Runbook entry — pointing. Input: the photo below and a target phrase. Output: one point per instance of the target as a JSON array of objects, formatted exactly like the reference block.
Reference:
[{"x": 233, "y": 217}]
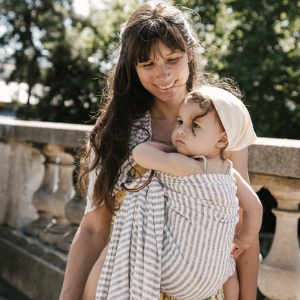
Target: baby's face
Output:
[{"x": 196, "y": 135}]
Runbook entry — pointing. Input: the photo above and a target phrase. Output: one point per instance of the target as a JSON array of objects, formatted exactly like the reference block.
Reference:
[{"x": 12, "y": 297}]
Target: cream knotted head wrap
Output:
[{"x": 233, "y": 115}]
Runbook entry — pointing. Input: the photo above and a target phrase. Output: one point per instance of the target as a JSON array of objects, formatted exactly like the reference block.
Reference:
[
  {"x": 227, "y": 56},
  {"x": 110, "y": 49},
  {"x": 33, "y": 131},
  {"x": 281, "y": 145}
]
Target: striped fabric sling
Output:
[{"x": 173, "y": 235}]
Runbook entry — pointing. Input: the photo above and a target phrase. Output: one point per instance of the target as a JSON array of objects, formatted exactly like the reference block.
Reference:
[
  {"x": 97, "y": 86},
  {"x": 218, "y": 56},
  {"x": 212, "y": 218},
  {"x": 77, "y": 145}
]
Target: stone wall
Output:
[{"x": 40, "y": 210}]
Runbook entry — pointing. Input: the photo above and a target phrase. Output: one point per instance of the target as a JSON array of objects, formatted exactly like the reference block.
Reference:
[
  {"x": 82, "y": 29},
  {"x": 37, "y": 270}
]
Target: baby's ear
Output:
[{"x": 223, "y": 140}]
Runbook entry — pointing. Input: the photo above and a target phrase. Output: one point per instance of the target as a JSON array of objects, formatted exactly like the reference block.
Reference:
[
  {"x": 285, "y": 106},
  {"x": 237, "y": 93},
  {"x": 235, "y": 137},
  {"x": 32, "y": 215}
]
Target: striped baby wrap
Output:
[{"x": 174, "y": 235}]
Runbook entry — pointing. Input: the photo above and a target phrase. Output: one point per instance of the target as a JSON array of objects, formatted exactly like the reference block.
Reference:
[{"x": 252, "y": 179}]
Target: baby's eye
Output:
[{"x": 179, "y": 122}]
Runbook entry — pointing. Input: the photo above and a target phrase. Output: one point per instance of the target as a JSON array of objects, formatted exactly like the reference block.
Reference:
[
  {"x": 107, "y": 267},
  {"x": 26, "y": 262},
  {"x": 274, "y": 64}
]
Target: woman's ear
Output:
[{"x": 223, "y": 140}]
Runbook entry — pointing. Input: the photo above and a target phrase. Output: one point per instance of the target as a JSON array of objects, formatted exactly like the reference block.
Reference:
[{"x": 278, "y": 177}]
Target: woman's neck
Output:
[
  {"x": 164, "y": 111},
  {"x": 163, "y": 121}
]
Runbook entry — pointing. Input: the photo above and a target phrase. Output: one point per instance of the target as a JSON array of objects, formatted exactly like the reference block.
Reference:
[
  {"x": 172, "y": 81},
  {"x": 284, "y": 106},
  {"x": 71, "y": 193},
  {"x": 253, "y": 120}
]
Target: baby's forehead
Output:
[
  {"x": 194, "y": 110},
  {"x": 191, "y": 106}
]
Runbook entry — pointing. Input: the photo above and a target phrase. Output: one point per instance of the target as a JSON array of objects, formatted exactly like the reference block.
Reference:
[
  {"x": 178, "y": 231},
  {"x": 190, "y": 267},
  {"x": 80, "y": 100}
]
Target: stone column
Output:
[
  {"x": 22, "y": 169},
  {"x": 74, "y": 213},
  {"x": 43, "y": 196},
  {"x": 279, "y": 272},
  {"x": 62, "y": 194},
  {"x": 5, "y": 149}
]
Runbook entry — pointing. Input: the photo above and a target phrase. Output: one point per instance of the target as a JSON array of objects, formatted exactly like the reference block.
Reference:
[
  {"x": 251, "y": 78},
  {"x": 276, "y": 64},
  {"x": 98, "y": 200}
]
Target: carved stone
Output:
[
  {"x": 25, "y": 173},
  {"x": 279, "y": 272},
  {"x": 43, "y": 197},
  {"x": 59, "y": 198}
]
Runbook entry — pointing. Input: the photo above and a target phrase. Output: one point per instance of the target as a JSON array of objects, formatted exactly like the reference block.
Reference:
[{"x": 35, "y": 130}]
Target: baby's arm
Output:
[
  {"x": 252, "y": 216},
  {"x": 159, "y": 157}
]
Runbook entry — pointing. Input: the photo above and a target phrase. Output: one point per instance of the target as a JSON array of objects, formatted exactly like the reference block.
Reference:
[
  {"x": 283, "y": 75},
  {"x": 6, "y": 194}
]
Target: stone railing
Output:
[{"x": 40, "y": 209}]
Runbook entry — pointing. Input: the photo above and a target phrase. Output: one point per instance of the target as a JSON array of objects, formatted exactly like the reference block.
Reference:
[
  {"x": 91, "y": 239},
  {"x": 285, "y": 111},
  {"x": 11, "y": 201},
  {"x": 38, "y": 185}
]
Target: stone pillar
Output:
[
  {"x": 74, "y": 213},
  {"x": 58, "y": 200},
  {"x": 22, "y": 168},
  {"x": 4, "y": 182},
  {"x": 42, "y": 199},
  {"x": 279, "y": 272}
]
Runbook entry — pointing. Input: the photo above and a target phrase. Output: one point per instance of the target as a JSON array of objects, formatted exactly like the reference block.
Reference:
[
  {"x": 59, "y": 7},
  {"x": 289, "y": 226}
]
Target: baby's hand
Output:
[{"x": 238, "y": 247}]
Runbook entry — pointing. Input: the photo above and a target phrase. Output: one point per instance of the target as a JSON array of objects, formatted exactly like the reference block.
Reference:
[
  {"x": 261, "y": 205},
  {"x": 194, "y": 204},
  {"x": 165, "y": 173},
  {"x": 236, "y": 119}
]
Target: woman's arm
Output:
[
  {"x": 247, "y": 263},
  {"x": 159, "y": 157},
  {"x": 89, "y": 241},
  {"x": 252, "y": 215}
]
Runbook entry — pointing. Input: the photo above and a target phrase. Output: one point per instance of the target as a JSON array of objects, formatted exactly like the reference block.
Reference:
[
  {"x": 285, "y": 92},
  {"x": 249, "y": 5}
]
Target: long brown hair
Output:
[{"x": 126, "y": 98}]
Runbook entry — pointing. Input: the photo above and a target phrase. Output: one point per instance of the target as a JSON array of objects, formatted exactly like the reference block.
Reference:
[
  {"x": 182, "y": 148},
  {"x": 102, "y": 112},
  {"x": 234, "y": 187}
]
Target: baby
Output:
[{"x": 210, "y": 121}]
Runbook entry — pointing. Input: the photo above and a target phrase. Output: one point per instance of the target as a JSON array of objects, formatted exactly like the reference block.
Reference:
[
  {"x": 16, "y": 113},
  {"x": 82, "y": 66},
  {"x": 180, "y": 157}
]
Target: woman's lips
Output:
[{"x": 165, "y": 87}]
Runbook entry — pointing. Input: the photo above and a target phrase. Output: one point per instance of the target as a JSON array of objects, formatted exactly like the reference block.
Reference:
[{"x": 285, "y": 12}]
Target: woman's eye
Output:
[
  {"x": 173, "y": 60},
  {"x": 148, "y": 65},
  {"x": 195, "y": 125}
]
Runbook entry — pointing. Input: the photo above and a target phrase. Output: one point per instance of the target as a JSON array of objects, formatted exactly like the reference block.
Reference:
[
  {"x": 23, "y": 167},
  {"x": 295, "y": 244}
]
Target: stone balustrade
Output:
[{"x": 40, "y": 209}]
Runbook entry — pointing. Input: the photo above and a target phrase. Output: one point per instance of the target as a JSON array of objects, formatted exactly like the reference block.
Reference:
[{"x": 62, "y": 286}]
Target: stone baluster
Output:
[
  {"x": 74, "y": 213},
  {"x": 279, "y": 272},
  {"x": 21, "y": 174},
  {"x": 63, "y": 193},
  {"x": 43, "y": 196}
]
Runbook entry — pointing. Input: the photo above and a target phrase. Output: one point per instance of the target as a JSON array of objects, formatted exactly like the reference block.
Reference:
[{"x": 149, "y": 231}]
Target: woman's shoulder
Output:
[{"x": 140, "y": 130}]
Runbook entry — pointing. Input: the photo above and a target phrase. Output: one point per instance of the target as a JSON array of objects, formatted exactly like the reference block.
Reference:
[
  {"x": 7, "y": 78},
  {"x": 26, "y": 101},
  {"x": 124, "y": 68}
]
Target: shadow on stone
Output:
[{"x": 7, "y": 292}]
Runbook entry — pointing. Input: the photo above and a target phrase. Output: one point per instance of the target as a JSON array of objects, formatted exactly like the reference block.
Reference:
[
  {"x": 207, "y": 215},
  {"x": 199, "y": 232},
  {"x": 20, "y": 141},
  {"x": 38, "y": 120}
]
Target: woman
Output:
[{"x": 159, "y": 63}]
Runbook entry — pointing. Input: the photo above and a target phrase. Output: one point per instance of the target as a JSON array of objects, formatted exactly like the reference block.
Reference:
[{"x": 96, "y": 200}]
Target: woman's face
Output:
[{"x": 166, "y": 75}]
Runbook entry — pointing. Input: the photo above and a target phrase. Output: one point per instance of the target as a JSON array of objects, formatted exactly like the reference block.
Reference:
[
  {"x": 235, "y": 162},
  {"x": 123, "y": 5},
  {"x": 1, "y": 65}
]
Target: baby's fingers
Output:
[
  {"x": 236, "y": 252},
  {"x": 233, "y": 249}
]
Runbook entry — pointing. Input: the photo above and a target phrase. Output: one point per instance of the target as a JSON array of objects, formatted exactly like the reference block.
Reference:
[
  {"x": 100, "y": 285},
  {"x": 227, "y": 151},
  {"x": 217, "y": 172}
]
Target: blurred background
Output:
[{"x": 54, "y": 55}]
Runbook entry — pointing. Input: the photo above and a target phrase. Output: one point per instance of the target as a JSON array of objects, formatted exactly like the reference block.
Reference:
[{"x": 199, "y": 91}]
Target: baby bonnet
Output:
[{"x": 234, "y": 116}]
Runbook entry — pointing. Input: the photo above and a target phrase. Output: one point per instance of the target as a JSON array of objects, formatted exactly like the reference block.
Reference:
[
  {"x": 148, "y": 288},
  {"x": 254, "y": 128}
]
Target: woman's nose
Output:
[{"x": 163, "y": 71}]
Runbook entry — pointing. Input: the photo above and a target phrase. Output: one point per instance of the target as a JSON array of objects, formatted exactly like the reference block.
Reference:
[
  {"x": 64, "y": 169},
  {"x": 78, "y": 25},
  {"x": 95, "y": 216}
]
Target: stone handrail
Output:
[{"x": 41, "y": 210}]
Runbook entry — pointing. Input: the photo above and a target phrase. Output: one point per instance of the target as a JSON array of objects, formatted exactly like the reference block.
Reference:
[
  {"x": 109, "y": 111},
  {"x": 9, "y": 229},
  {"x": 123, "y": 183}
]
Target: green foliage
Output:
[
  {"x": 260, "y": 48},
  {"x": 264, "y": 56},
  {"x": 258, "y": 44},
  {"x": 71, "y": 58},
  {"x": 255, "y": 42},
  {"x": 22, "y": 18}
]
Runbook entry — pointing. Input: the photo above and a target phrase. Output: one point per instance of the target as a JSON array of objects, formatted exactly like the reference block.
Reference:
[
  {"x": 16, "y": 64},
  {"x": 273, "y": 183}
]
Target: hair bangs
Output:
[{"x": 149, "y": 36}]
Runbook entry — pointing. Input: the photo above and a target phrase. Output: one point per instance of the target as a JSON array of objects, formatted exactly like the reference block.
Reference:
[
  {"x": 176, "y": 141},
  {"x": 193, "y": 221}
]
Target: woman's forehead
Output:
[
  {"x": 156, "y": 50},
  {"x": 160, "y": 49},
  {"x": 190, "y": 107}
]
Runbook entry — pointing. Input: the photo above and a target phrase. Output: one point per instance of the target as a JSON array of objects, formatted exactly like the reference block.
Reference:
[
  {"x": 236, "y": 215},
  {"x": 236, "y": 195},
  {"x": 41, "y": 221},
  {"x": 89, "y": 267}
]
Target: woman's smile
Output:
[{"x": 166, "y": 87}]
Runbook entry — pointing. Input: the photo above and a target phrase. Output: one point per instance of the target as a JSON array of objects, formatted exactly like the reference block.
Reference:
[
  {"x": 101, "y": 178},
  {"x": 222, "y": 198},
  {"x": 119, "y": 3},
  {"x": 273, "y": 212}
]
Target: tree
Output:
[
  {"x": 77, "y": 52},
  {"x": 25, "y": 21},
  {"x": 264, "y": 55},
  {"x": 256, "y": 43}
]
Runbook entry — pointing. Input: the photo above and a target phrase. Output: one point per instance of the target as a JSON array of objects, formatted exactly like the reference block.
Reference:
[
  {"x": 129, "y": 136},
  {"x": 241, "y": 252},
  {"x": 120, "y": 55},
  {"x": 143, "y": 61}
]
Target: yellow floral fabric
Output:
[
  {"x": 136, "y": 172},
  {"x": 219, "y": 295}
]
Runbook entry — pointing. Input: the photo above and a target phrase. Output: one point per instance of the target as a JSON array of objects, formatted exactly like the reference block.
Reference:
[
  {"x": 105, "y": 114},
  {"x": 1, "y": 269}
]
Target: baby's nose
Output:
[{"x": 181, "y": 131}]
